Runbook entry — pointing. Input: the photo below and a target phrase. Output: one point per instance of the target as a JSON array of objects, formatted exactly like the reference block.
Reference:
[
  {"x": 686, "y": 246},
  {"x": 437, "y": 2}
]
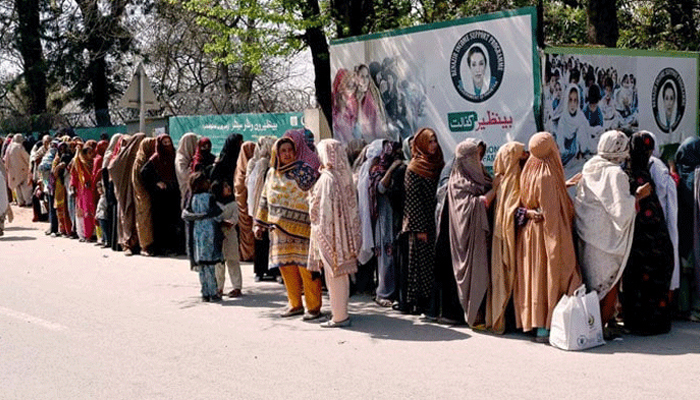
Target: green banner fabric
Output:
[{"x": 218, "y": 127}]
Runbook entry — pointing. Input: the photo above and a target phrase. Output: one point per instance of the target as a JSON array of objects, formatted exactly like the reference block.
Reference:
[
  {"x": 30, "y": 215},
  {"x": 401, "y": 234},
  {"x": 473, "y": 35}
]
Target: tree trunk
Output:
[
  {"x": 100, "y": 89},
  {"x": 682, "y": 22},
  {"x": 320, "y": 55},
  {"x": 29, "y": 45},
  {"x": 602, "y": 22}
]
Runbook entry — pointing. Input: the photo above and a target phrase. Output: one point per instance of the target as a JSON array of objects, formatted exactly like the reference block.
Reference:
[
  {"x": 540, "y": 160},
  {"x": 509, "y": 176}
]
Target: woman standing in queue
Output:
[
  {"x": 160, "y": 180},
  {"x": 284, "y": 211},
  {"x": 647, "y": 276},
  {"x": 419, "y": 217},
  {"x": 335, "y": 234},
  {"x": 546, "y": 267},
  {"x": 471, "y": 191},
  {"x": 605, "y": 213}
]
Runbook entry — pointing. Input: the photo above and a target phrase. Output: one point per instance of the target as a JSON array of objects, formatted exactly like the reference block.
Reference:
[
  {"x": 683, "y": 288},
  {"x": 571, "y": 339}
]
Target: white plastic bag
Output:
[{"x": 576, "y": 322}]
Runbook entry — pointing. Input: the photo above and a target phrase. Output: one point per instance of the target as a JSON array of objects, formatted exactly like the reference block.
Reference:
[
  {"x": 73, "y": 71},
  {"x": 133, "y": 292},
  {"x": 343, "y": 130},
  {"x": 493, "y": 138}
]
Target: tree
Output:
[{"x": 28, "y": 43}]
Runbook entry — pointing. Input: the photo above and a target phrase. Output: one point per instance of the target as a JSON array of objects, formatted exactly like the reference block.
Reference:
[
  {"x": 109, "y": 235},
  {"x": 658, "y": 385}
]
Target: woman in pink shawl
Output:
[
  {"x": 81, "y": 180},
  {"x": 371, "y": 116},
  {"x": 304, "y": 153}
]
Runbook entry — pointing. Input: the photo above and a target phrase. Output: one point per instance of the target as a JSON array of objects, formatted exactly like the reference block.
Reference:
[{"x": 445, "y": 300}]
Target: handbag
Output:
[{"x": 576, "y": 323}]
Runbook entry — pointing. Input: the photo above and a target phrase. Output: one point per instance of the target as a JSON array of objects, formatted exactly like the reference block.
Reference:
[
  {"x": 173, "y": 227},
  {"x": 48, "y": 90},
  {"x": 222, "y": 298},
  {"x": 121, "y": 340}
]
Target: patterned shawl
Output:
[
  {"x": 335, "y": 233},
  {"x": 283, "y": 203}
]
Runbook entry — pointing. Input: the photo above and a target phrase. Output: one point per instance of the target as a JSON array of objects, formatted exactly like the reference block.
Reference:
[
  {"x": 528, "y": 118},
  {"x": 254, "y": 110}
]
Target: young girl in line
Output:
[
  {"x": 223, "y": 192},
  {"x": 203, "y": 213}
]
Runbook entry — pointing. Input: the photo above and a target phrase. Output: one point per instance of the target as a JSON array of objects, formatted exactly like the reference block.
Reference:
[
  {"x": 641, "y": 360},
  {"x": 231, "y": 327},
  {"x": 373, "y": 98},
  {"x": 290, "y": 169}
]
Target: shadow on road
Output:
[
  {"x": 684, "y": 338},
  {"x": 19, "y": 228},
  {"x": 15, "y": 238}
]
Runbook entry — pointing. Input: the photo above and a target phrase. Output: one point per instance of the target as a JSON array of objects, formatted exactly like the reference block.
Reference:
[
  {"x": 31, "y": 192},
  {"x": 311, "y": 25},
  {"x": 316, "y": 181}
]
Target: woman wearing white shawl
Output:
[
  {"x": 183, "y": 158},
  {"x": 18, "y": 173},
  {"x": 667, "y": 193},
  {"x": 572, "y": 130},
  {"x": 335, "y": 235},
  {"x": 605, "y": 215},
  {"x": 367, "y": 250}
]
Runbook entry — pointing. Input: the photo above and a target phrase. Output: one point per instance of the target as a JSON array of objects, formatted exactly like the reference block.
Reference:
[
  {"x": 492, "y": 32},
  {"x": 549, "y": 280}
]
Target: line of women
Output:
[
  {"x": 498, "y": 252},
  {"x": 448, "y": 241}
]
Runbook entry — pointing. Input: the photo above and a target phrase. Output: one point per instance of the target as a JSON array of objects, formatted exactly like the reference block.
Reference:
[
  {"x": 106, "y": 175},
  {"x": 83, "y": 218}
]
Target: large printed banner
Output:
[
  {"x": 218, "y": 127},
  {"x": 475, "y": 77},
  {"x": 589, "y": 91}
]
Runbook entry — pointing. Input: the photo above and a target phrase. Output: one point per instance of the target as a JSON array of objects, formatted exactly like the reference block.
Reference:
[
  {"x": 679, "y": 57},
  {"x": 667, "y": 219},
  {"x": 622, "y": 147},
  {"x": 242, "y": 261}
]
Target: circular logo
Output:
[
  {"x": 476, "y": 66},
  {"x": 668, "y": 99}
]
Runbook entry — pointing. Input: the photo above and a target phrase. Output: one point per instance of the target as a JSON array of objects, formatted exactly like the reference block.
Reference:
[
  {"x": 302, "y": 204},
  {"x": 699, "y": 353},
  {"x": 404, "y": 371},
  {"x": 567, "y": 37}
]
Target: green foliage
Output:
[{"x": 564, "y": 25}]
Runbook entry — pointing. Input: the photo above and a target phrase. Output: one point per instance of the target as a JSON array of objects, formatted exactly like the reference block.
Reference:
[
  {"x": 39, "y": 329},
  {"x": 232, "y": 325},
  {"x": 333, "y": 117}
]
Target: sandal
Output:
[
  {"x": 332, "y": 324},
  {"x": 383, "y": 302},
  {"x": 235, "y": 293},
  {"x": 290, "y": 312}
]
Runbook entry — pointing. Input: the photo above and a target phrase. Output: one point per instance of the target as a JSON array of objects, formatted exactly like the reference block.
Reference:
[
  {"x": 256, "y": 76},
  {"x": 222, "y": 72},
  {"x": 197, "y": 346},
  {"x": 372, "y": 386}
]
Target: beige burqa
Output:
[
  {"x": 183, "y": 158},
  {"x": 546, "y": 260},
  {"x": 469, "y": 228},
  {"x": 246, "y": 240},
  {"x": 120, "y": 171},
  {"x": 503, "y": 261},
  {"x": 144, "y": 221}
]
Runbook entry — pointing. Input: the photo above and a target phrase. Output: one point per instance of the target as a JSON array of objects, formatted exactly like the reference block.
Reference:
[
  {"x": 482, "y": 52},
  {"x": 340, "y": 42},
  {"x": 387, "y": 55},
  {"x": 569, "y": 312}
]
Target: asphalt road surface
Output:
[{"x": 80, "y": 322}]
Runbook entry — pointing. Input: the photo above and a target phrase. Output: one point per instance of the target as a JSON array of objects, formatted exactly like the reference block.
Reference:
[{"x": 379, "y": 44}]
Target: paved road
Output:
[{"x": 79, "y": 322}]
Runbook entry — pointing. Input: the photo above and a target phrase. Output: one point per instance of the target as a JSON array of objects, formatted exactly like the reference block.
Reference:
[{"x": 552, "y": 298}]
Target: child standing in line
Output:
[
  {"x": 223, "y": 192},
  {"x": 207, "y": 237},
  {"x": 101, "y": 217}
]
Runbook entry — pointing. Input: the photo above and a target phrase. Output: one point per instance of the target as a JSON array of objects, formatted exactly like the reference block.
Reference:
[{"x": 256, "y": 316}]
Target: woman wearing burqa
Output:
[
  {"x": 419, "y": 217},
  {"x": 546, "y": 264},
  {"x": 507, "y": 165},
  {"x": 471, "y": 192},
  {"x": 246, "y": 240},
  {"x": 186, "y": 148},
  {"x": 161, "y": 182},
  {"x": 647, "y": 276},
  {"x": 144, "y": 220},
  {"x": 120, "y": 172},
  {"x": 203, "y": 160}
]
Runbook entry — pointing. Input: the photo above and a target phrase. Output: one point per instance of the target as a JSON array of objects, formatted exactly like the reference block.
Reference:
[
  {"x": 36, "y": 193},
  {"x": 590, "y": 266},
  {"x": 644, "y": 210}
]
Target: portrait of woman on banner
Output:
[
  {"x": 668, "y": 110},
  {"x": 475, "y": 65},
  {"x": 371, "y": 115}
]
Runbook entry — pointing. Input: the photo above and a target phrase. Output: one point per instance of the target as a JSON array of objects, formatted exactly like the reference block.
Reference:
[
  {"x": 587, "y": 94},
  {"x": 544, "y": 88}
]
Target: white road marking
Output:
[{"x": 32, "y": 319}]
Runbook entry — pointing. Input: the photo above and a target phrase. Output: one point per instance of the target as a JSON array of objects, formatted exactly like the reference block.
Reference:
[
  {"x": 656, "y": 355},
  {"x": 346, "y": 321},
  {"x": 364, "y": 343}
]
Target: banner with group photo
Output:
[
  {"x": 218, "y": 127},
  {"x": 589, "y": 91},
  {"x": 474, "y": 77}
]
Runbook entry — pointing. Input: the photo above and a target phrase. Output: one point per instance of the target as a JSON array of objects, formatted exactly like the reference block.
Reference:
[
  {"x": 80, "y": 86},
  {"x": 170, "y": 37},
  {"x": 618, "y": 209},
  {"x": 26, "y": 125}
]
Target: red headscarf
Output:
[{"x": 164, "y": 158}]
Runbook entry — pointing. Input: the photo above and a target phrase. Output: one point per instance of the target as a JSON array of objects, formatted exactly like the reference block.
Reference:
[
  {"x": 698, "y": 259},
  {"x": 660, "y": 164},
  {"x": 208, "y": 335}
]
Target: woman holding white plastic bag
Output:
[{"x": 335, "y": 228}]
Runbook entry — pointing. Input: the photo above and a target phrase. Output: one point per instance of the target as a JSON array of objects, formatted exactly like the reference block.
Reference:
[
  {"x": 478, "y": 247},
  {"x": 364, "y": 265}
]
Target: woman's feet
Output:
[
  {"x": 332, "y": 324},
  {"x": 291, "y": 312},
  {"x": 383, "y": 302},
  {"x": 235, "y": 293}
]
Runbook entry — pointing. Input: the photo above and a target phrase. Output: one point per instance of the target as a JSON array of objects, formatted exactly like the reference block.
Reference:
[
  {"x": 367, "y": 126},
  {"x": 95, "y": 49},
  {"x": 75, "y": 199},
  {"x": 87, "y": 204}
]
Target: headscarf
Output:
[
  {"x": 304, "y": 153},
  {"x": 377, "y": 171},
  {"x": 225, "y": 166},
  {"x": 163, "y": 159},
  {"x": 142, "y": 199},
  {"x": 605, "y": 208},
  {"x": 82, "y": 166},
  {"x": 283, "y": 204},
  {"x": 186, "y": 148},
  {"x": 469, "y": 227},
  {"x": 335, "y": 233},
  {"x": 202, "y": 158},
  {"x": 112, "y": 149},
  {"x": 372, "y": 151},
  {"x": 240, "y": 190},
  {"x": 425, "y": 164},
  {"x": 688, "y": 164},
  {"x": 503, "y": 256}
]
